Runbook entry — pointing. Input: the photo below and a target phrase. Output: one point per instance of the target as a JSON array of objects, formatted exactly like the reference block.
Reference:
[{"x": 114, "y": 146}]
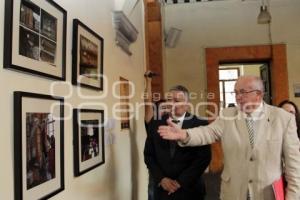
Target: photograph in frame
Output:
[
  {"x": 124, "y": 103},
  {"x": 88, "y": 133},
  {"x": 35, "y": 38},
  {"x": 38, "y": 145},
  {"x": 296, "y": 87},
  {"x": 87, "y": 58}
]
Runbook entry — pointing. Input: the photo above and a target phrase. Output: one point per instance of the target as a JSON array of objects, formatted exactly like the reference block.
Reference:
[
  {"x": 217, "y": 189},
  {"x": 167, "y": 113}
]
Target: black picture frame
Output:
[
  {"x": 87, "y": 57},
  {"x": 38, "y": 145},
  {"x": 35, "y": 38},
  {"x": 88, "y": 140}
]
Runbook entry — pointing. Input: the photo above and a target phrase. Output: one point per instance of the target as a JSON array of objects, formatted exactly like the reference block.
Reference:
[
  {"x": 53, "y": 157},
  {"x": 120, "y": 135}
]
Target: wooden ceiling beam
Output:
[{"x": 154, "y": 12}]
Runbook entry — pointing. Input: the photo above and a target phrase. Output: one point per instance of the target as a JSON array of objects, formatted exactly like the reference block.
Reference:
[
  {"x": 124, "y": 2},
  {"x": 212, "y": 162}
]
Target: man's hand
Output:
[
  {"x": 169, "y": 185},
  {"x": 172, "y": 132}
]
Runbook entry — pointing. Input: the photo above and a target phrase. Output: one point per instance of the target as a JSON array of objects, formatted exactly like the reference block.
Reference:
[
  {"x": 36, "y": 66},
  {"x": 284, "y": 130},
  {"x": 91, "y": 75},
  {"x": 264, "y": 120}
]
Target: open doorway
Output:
[
  {"x": 257, "y": 53},
  {"x": 229, "y": 73}
]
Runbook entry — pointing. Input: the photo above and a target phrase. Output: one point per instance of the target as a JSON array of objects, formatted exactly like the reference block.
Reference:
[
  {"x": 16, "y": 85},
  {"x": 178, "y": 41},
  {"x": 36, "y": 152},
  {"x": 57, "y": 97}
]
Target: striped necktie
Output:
[{"x": 250, "y": 127}]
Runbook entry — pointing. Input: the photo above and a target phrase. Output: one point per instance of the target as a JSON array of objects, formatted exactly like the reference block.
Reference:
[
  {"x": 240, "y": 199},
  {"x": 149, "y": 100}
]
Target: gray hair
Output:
[
  {"x": 181, "y": 88},
  {"x": 258, "y": 84}
]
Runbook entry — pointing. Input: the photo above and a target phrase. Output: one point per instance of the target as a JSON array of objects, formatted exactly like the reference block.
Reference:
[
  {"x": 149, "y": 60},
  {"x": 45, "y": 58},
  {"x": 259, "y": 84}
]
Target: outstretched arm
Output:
[
  {"x": 172, "y": 132},
  {"x": 193, "y": 137},
  {"x": 148, "y": 100}
]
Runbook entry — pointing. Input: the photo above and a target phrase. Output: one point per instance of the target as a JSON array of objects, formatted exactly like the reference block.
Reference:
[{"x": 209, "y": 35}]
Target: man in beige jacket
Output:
[{"x": 259, "y": 142}]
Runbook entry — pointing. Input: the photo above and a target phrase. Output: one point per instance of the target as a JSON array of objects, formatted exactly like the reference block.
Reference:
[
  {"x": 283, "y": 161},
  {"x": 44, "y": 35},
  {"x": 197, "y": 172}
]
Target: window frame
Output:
[{"x": 223, "y": 81}]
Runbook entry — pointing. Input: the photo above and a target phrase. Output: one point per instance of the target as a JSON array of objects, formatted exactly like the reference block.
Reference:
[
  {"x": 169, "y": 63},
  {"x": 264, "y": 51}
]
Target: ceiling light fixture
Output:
[{"x": 264, "y": 16}]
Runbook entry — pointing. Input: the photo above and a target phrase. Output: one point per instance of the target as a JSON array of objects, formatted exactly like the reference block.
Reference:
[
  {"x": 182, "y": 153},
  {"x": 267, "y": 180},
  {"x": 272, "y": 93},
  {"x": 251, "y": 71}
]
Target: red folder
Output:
[{"x": 278, "y": 188}]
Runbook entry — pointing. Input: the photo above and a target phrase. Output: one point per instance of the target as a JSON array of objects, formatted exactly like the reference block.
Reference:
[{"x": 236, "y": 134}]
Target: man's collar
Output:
[
  {"x": 257, "y": 113},
  {"x": 181, "y": 118}
]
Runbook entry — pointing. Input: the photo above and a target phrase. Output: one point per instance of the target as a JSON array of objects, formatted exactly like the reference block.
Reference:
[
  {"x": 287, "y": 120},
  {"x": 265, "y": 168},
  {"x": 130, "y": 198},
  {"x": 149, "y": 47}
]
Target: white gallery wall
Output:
[
  {"x": 124, "y": 175},
  {"x": 226, "y": 24}
]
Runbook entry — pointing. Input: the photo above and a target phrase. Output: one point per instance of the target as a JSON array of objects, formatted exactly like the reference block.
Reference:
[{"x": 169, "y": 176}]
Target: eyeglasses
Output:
[
  {"x": 244, "y": 92},
  {"x": 292, "y": 112}
]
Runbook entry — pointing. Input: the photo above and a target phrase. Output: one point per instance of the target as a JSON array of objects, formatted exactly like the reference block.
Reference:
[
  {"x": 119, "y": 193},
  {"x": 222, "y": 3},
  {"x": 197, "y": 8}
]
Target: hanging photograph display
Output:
[
  {"x": 38, "y": 145},
  {"x": 88, "y": 136},
  {"x": 35, "y": 38},
  {"x": 87, "y": 57}
]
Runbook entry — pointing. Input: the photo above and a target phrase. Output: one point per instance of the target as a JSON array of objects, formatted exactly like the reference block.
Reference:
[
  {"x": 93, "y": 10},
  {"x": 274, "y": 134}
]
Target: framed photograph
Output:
[
  {"x": 38, "y": 145},
  {"x": 88, "y": 133},
  {"x": 87, "y": 58},
  {"x": 35, "y": 38},
  {"x": 124, "y": 103},
  {"x": 297, "y": 89}
]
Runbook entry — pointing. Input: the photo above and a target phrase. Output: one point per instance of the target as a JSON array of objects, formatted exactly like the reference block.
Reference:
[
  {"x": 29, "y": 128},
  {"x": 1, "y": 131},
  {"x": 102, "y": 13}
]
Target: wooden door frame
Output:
[
  {"x": 275, "y": 54},
  {"x": 278, "y": 63}
]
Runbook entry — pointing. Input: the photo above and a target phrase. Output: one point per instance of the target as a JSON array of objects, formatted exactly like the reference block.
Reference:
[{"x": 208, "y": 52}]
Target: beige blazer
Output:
[{"x": 276, "y": 142}]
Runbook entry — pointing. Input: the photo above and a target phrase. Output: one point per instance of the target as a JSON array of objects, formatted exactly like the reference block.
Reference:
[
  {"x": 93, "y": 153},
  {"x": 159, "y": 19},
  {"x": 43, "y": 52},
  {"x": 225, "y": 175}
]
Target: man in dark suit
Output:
[{"x": 177, "y": 171}]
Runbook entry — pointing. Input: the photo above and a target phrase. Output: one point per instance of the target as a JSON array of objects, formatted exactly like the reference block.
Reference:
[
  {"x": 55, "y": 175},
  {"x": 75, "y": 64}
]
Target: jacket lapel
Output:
[
  {"x": 263, "y": 127},
  {"x": 186, "y": 123},
  {"x": 242, "y": 128}
]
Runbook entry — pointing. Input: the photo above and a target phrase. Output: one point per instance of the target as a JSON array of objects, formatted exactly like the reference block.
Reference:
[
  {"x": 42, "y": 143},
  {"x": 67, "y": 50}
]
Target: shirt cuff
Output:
[{"x": 186, "y": 140}]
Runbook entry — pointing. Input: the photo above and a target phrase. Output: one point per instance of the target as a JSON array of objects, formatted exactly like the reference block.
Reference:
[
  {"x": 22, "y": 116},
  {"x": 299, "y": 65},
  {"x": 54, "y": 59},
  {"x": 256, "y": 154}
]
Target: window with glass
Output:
[{"x": 227, "y": 80}]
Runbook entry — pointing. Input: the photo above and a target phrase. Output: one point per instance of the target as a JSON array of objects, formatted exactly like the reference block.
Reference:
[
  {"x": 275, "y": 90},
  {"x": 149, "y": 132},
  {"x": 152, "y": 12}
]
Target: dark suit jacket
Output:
[{"x": 186, "y": 166}]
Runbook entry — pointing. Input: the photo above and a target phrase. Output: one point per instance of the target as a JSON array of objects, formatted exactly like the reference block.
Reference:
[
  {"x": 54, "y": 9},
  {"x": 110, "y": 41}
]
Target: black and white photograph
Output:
[
  {"x": 35, "y": 38},
  {"x": 29, "y": 44},
  {"x": 87, "y": 61},
  {"x": 88, "y": 58},
  {"x": 30, "y": 16},
  {"x": 48, "y": 25},
  {"x": 89, "y": 139},
  {"x": 88, "y": 133},
  {"x": 40, "y": 148},
  {"x": 48, "y": 50}
]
